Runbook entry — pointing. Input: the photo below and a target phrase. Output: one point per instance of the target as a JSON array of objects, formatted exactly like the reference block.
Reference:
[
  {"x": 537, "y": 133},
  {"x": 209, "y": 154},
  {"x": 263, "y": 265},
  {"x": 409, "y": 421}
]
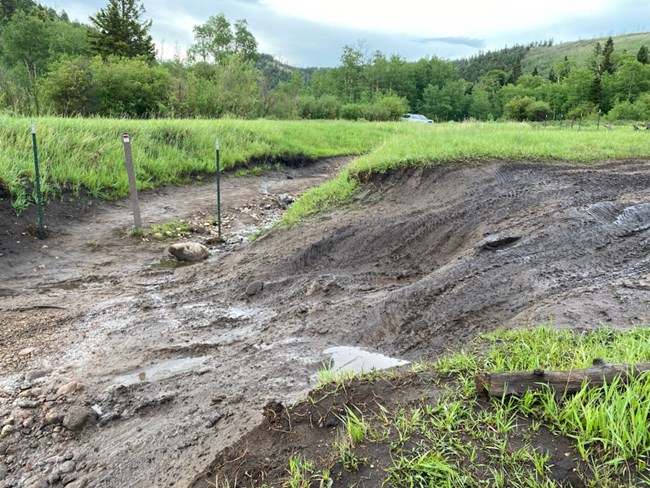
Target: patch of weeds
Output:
[
  {"x": 328, "y": 375},
  {"x": 93, "y": 245},
  {"x": 19, "y": 203},
  {"x": 252, "y": 171},
  {"x": 171, "y": 230},
  {"x": 300, "y": 472},
  {"x": 137, "y": 233},
  {"x": 324, "y": 479},
  {"x": 355, "y": 425},
  {"x": 424, "y": 469},
  {"x": 344, "y": 446}
]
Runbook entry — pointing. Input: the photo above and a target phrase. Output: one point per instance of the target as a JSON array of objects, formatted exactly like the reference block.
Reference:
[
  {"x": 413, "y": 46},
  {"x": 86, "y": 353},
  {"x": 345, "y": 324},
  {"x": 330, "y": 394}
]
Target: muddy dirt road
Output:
[{"x": 116, "y": 372}]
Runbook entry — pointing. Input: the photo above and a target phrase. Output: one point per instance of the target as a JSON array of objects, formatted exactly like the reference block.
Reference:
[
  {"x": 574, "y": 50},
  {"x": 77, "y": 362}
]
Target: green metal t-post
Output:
[
  {"x": 218, "y": 188},
  {"x": 37, "y": 177}
]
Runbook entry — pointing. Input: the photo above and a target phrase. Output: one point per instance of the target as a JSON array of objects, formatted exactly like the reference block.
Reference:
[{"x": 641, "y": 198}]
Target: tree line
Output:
[{"x": 50, "y": 65}]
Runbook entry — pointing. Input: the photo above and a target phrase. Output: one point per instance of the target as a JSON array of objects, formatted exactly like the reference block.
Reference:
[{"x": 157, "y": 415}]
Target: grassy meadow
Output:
[{"x": 87, "y": 154}]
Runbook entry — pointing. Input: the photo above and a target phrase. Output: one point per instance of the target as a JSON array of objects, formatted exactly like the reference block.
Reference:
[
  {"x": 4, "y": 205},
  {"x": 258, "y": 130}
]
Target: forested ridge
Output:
[{"x": 108, "y": 67}]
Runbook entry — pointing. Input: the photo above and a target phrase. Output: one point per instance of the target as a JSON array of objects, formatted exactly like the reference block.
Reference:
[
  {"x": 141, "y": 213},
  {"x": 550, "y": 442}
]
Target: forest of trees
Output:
[{"x": 108, "y": 67}]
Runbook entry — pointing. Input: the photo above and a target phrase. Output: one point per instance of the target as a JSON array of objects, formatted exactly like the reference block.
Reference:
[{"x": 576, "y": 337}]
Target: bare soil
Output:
[{"x": 179, "y": 361}]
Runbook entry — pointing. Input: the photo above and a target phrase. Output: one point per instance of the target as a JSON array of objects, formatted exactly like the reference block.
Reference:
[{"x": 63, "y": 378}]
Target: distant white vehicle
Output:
[{"x": 416, "y": 118}]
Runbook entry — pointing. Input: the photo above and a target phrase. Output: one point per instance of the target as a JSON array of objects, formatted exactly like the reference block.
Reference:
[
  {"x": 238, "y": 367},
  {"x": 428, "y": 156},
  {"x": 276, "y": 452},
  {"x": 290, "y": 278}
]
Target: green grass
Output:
[
  {"x": 579, "y": 51},
  {"x": 452, "y": 142},
  {"x": 87, "y": 154},
  {"x": 458, "y": 438}
]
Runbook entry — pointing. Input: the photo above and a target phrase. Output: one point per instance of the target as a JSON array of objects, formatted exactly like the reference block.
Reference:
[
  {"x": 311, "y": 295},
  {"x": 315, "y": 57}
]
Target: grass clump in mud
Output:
[{"x": 428, "y": 425}]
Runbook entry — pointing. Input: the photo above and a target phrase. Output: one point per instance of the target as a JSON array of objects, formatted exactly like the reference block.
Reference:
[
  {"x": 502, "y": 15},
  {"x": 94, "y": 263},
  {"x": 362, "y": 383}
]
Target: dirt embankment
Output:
[{"x": 178, "y": 363}]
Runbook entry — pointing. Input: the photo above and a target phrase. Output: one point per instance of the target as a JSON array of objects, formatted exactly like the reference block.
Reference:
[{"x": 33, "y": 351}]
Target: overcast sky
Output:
[{"x": 312, "y": 32}]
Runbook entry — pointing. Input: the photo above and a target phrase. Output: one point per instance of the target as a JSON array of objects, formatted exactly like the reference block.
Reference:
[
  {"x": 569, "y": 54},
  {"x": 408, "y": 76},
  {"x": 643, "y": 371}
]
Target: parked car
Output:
[{"x": 416, "y": 118}]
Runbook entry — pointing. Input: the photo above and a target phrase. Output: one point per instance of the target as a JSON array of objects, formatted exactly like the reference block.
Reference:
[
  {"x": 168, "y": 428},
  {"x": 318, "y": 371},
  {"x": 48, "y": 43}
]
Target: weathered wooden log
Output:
[{"x": 562, "y": 382}]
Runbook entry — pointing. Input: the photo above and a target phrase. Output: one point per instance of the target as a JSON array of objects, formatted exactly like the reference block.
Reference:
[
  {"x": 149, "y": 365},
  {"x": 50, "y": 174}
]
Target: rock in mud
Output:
[
  {"x": 67, "y": 467},
  {"x": 36, "y": 374},
  {"x": 28, "y": 403},
  {"x": 27, "y": 351},
  {"x": 494, "y": 243},
  {"x": 80, "y": 483},
  {"x": 254, "y": 288},
  {"x": 68, "y": 388},
  {"x": 53, "y": 417},
  {"x": 78, "y": 417},
  {"x": 284, "y": 200},
  {"x": 189, "y": 251},
  {"x": 38, "y": 484}
]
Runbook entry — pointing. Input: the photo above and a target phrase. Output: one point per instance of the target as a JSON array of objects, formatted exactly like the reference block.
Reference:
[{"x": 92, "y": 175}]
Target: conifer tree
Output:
[
  {"x": 643, "y": 56},
  {"x": 120, "y": 31}
]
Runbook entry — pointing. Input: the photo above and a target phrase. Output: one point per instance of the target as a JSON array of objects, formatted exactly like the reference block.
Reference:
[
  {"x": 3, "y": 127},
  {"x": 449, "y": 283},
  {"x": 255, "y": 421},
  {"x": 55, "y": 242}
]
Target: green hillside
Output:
[{"x": 578, "y": 51}]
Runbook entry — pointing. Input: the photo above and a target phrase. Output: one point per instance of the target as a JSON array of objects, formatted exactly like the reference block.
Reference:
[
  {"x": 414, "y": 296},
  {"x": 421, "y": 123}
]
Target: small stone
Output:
[
  {"x": 68, "y": 456},
  {"x": 29, "y": 422},
  {"x": 28, "y": 403},
  {"x": 36, "y": 374},
  {"x": 284, "y": 200},
  {"x": 33, "y": 392},
  {"x": 8, "y": 421},
  {"x": 53, "y": 417},
  {"x": 68, "y": 389},
  {"x": 55, "y": 460},
  {"x": 189, "y": 251},
  {"x": 27, "y": 351},
  {"x": 7, "y": 430},
  {"x": 67, "y": 467},
  {"x": 3, "y": 447},
  {"x": 254, "y": 288},
  {"x": 3, "y": 471},
  {"x": 54, "y": 477},
  {"x": 77, "y": 417},
  {"x": 38, "y": 484}
]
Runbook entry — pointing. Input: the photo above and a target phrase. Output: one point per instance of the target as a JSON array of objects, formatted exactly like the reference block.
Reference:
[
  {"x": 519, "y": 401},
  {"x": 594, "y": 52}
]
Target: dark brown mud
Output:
[{"x": 179, "y": 362}]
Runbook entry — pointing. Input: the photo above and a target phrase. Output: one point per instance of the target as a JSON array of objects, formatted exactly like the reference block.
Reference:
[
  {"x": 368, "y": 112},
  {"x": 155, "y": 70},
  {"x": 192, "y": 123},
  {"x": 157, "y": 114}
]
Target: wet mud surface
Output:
[{"x": 137, "y": 374}]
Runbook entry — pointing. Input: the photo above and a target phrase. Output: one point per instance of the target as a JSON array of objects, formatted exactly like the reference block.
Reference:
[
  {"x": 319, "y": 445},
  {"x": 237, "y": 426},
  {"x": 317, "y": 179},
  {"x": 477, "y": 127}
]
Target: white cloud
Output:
[{"x": 473, "y": 18}]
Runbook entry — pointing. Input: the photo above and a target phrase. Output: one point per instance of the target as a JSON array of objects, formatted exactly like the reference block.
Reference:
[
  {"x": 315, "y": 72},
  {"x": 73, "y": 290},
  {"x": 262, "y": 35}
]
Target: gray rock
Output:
[
  {"x": 77, "y": 417},
  {"x": 37, "y": 373},
  {"x": 7, "y": 430},
  {"x": 3, "y": 471},
  {"x": 3, "y": 447},
  {"x": 254, "y": 288},
  {"x": 54, "y": 477},
  {"x": 28, "y": 403},
  {"x": 189, "y": 251},
  {"x": 38, "y": 484},
  {"x": 67, "y": 467},
  {"x": 284, "y": 200}
]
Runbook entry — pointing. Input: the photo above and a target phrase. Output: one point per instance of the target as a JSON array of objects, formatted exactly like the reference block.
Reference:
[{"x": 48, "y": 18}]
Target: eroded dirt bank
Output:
[{"x": 177, "y": 363}]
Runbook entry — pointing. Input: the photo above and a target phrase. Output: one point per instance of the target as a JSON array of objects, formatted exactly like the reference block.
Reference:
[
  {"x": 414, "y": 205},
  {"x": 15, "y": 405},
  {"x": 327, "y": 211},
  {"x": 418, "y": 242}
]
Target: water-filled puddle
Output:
[
  {"x": 354, "y": 359},
  {"x": 163, "y": 370}
]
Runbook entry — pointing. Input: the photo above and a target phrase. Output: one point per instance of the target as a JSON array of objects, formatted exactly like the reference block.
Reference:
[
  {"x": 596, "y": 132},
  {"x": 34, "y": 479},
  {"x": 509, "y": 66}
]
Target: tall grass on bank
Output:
[
  {"x": 88, "y": 154},
  {"x": 452, "y": 142}
]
